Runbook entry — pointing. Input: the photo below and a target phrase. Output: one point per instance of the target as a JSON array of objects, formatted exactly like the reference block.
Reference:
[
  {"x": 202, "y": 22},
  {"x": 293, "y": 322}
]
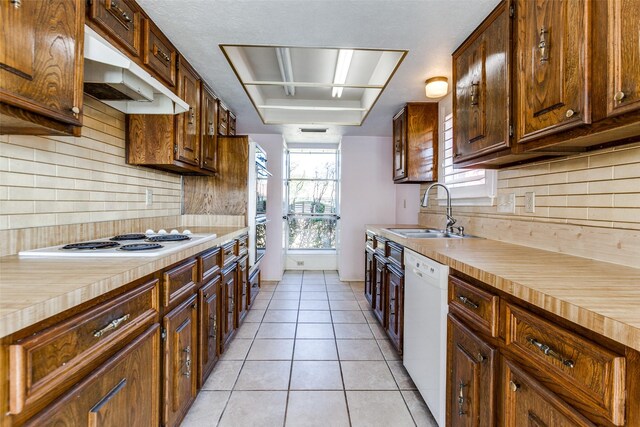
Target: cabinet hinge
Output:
[
  {"x": 163, "y": 334},
  {"x": 510, "y": 130},
  {"x": 512, "y": 11},
  {"x": 175, "y": 148}
]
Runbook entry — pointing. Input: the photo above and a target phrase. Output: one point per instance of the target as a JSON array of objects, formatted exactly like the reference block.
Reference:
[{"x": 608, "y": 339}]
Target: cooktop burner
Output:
[
  {"x": 168, "y": 238},
  {"x": 91, "y": 245},
  {"x": 140, "y": 247},
  {"x": 133, "y": 236}
]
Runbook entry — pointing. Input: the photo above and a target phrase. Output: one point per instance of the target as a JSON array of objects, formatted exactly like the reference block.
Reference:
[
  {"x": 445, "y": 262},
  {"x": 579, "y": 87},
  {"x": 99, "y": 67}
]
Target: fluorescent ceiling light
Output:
[
  {"x": 342, "y": 69},
  {"x": 286, "y": 70}
]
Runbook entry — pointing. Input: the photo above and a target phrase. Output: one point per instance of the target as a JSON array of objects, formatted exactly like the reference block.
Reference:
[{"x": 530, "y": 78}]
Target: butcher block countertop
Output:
[
  {"x": 602, "y": 297},
  {"x": 34, "y": 289}
]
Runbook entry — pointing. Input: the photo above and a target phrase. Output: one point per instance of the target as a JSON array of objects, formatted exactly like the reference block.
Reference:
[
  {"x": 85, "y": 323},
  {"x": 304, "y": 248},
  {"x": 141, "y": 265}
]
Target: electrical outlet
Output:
[
  {"x": 507, "y": 203},
  {"x": 299, "y": 263},
  {"x": 530, "y": 202},
  {"x": 148, "y": 197}
]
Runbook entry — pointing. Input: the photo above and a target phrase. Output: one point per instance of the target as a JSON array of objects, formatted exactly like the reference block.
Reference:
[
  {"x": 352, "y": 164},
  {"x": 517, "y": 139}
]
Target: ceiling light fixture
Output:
[
  {"x": 436, "y": 87},
  {"x": 342, "y": 69},
  {"x": 286, "y": 69}
]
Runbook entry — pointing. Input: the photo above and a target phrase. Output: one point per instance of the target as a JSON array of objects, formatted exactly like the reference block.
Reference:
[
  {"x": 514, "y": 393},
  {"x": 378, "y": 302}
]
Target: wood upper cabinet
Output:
[
  {"x": 472, "y": 378},
  {"x": 395, "y": 305},
  {"x": 209, "y": 142},
  {"x": 481, "y": 67},
  {"x": 188, "y": 124},
  {"x": 209, "y": 328},
  {"x": 232, "y": 124},
  {"x": 553, "y": 58},
  {"x": 623, "y": 59},
  {"x": 180, "y": 357},
  {"x": 41, "y": 66},
  {"x": 529, "y": 403},
  {"x": 415, "y": 143},
  {"x": 121, "y": 20},
  {"x": 106, "y": 397},
  {"x": 159, "y": 54}
]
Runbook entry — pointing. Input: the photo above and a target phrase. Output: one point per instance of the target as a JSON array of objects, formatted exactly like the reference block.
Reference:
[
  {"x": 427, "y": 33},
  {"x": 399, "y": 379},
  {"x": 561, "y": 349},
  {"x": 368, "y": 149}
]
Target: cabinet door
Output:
[
  {"x": 242, "y": 286},
  {"x": 209, "y": 124},
  {"x": 529, "y": 403},
  {"x": 481, "y": 89},
  {"x": 223, "y": 120},
  {"x": 228, "y": 303},
  {"x": 395, "y": 306},
  {"x": 400, "y": 145},
  {"x": 105, "y": 398},
  {"x": 232, "y": 124},
  {"x": 41, "y": 62},
  {"x": 188, "y": 124},
  {"x": 623, "y": 94},
  {"x": 553, "y": 57},
  {"x": 379, "y": 299},
  {"x": 471, "y": 378},
  {"x": 208, "y": 339},
  {"x": 180, "y": 360},
  {"x": 369, "y": 274}
]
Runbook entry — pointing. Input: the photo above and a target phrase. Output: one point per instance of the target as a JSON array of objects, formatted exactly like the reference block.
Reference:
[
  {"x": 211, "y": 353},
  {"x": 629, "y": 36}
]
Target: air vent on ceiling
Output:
[{"x": 314, "y": 130}]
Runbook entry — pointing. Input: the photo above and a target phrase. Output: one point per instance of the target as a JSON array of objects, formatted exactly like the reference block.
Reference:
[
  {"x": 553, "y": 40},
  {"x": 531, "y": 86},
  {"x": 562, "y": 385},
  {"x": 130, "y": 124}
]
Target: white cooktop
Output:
[{"x": 167, "y": 248}]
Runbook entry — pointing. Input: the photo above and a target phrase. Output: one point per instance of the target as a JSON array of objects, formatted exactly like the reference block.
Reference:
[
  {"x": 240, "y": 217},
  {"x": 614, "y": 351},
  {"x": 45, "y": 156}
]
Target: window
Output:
[
  {"x": 467, "y": 186},
  {"x": 312, "y": 198}
]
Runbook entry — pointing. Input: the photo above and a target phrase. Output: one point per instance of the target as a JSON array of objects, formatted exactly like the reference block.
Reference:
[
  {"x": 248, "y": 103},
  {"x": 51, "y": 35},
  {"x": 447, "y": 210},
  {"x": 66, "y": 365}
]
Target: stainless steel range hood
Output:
[{"x": 119, "y": 82}]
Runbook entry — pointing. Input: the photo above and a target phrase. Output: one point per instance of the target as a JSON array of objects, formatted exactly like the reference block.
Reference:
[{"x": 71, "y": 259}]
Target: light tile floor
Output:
[{"x": 308, "y": 355}]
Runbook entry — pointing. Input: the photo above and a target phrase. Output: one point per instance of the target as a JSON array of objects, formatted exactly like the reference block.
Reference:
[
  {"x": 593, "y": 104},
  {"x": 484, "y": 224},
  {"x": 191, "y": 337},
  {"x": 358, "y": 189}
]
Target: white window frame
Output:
[{"x": 473, "y": 195}]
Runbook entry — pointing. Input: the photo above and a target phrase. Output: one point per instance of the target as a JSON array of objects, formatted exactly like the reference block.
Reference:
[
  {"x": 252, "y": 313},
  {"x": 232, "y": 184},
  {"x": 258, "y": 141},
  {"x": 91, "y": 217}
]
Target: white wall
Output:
[
  {"x": 368, "y": 196},
  {"x": 271, "y": 267},
  {"x": 407, "y": 203}
]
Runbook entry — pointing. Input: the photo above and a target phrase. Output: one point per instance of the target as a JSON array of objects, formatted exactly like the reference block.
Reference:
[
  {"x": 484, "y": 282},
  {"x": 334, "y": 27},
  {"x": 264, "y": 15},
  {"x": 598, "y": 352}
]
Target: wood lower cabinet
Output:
[
  {"x": 415, "y": 143},
  {"x": 208, "y": 328},
  {"x": 106, "y": 397},
  {"x": 41, "y": 66},
  {"x": 471, "y": 377},
  {"x": 380, "y": 285},
  {"x": 529, "y": 403},
  {"x": 368, "y": 276},
  {"x": 395, "y": 304},
  {"x": 242, "y": 288},
  {"x": 228, "y": 304},
  {"x": 180, "y": 357}
]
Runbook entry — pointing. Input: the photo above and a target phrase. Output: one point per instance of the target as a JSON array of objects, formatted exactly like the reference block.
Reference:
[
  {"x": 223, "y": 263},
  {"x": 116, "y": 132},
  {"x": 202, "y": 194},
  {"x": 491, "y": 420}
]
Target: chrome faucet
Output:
[{"x": 450, "y": 219}]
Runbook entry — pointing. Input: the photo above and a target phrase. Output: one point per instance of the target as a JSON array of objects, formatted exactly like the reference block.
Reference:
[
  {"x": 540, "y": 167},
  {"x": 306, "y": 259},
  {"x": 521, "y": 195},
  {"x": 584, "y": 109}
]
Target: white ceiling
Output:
[{"x": 429, "y": 30}]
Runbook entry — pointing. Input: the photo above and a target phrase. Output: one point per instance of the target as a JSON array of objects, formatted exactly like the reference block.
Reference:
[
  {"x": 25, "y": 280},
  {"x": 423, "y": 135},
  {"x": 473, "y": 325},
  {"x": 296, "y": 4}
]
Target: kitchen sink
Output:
[{"x": 427, "y": 233}]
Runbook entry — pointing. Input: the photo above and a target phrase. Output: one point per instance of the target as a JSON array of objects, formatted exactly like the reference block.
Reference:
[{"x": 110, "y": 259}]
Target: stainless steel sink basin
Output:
[{"x": 426, "y": 233}]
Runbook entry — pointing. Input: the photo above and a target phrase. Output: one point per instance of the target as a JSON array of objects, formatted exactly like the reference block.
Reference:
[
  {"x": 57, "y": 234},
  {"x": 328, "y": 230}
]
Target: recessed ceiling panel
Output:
[{"x": 289, "y": 85}]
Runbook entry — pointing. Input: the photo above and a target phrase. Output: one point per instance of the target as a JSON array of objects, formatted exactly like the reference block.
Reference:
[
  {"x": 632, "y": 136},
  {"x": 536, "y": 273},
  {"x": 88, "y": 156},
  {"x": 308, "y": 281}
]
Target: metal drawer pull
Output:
[
  {"x": 543, "y": 46},
  {"x": 118, "y": 9},
  {"x": 111, "y": 326},
  {"x": 468, "y": 302},
  {"x": 192, "y": 115},
  {"x": 160, "y": 53},
  {"x": 187, "y": 362},
  {"x": 16, "y": 3},
  {"x": 570, "y": 113},
  {"x": 461, "y": 399},
  {"x": 481, "y": 357},
  {"x": 550, "y": 352},
  {"x": 513, "y": 386},
  {"x": 475, "y": 93},
  {"x": 212, "y": 319},
  {"x": 619, "y": 96}
]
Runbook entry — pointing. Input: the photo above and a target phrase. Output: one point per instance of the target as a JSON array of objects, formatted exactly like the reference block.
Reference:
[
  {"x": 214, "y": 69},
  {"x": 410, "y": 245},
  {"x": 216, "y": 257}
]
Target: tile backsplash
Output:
[
  {"x": 586, "y": 205},
  {"x": 50, "y": 180}
]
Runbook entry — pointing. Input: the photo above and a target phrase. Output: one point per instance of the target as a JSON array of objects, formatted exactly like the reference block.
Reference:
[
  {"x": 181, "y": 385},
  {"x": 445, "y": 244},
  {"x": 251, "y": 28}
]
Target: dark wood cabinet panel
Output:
[
  {"x": 395, "y": 305},
  {"x": 379, "y": 296},
  {"x": 105, "y": 398},
  {"x": 553, "y": 57},
  {"x": 472, "y": 378},
  {"x": 180, "y": 356},
  {"x": 369, "y": 276},
  {"x": 209, "y": 328},
  {"x": 188, "y": 124},
  {"x": 41, "y": 66},
  {"x": 121, "y": 20},
  {"x": 228, "y": 304},
  {"x": 209, "y": 148},
  {"x": 415, "y": 143},
  {"x": 477, "y": 307},
  {"x": 529, "y": 403},
  {"x": 159, "y": 54}
]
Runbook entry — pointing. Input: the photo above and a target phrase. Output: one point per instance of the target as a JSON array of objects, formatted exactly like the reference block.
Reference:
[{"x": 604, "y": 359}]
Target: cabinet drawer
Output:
[
  {"x": 228, "y": 254},
  {"x": 120, "y": 19},
  {"x": 223, "y": 126},
  {"x": 590, "y": 374},
  {"x": 209, "y": 264},
  {"x": 179, "y": 282},
  {"x": 395, "y": 254},
  {"x": 44, "y": 365},
  {"x": 159, "y": 54},
  {"x": 243, "y": 245},
  {"x": 477, "y": 307}
]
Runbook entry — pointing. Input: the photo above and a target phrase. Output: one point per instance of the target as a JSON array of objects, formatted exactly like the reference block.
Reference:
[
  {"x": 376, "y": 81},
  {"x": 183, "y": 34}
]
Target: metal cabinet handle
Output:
[
  {"x": 619, "y": 96},
  {"x": 118, "y": 9},
  {"x": 475, "y": 93},
  {"x": 161, "y": 54},
  {"x": 543, "y": 45},
  {"x": 570, "y": 113},
  {"x": 481, "y": 357},
  {"x": 111, "y": 326},
  {"x": 548, "y": 351},
  {"x": 16, "y": 3},
  {"x": 192, "y": 115},
  {"x": 211, "y": 129},
  {"x": 461, "y": 411},
  {"x": 187, "y": 363},
  {"x": 466, "y": 301},
  {"x": 75, "y": 110},
  {"x": 514, "y": 386},
  {"x": 212, "y": 319}
]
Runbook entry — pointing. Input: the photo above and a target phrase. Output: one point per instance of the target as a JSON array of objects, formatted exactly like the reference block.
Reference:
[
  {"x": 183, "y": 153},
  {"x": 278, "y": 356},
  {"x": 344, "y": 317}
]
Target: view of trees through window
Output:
[{"x": 312, "y": 198}]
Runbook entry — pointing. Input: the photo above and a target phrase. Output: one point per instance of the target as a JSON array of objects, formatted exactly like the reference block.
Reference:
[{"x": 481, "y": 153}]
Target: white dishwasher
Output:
[{"x": 425, "y": 329}]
